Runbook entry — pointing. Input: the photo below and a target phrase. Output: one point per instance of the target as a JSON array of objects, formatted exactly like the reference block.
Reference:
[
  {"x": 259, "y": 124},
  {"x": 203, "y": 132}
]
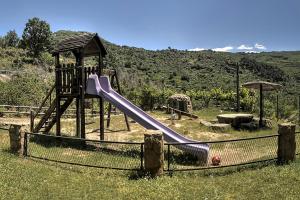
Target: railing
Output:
[
  {"x": 8, "y": 72},
  {"x": 48, "y": 97},
  {"x": 130, "y": 155},
  {"x": 223, "y": 153},
  {"x": 68, "y": 79},
  {"x": 26, "y": 110},
  {"x": 83, "y": 152}
]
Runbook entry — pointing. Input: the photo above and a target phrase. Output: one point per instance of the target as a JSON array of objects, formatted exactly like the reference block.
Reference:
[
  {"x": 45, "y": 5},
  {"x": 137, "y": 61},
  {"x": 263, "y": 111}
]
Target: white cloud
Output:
[
  {"x": 197, "y": 49},
  {"x": 260, "y": 46},
  {"x": 244, "y": 47},
  {"x": 223, "y": 49},
  {"x": 252, "y": 52}
]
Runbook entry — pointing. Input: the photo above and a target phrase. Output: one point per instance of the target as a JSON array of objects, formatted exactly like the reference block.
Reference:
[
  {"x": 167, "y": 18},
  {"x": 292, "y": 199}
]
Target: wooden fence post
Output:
[
  {"x": 286, "y": 151},
  {"x": 31, "y": 120},
  {"x": 16, "y": 135},
  {"x": 154, "y": 154}
]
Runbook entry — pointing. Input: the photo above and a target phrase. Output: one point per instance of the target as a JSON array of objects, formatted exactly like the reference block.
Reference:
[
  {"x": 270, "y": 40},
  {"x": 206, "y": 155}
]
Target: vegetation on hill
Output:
[{"x": 207, "y": 76}]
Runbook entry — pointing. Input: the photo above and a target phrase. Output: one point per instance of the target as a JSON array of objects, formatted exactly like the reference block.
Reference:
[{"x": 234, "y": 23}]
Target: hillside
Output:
[
  {"x": 185, "y": 70},
  {"x": 170, "y": 69}
]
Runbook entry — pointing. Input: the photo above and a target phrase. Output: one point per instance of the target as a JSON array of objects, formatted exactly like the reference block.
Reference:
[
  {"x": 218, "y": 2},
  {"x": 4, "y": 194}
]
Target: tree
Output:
[
  {"x": 37, "y": 36},
  {"x": 2, "y": 42},
  {"x": 11, "y": 39}
]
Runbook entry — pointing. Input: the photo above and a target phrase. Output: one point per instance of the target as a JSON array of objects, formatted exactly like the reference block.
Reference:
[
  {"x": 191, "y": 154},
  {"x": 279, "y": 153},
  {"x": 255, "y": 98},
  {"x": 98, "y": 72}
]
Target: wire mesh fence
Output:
[
  {"x": 92, "y": 153},
  {"x": 130, "y": 155},
  {"x": 222, "y": 153},
  {"x": 4, "y": 139}
]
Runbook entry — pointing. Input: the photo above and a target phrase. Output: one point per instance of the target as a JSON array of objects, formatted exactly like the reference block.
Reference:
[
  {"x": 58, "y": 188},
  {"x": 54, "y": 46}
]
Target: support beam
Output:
[
  {"x": 78, "y": 117},
  {"x": 58, "y": 90},
  {"x": 119, "y": 91},
  {"x": 101, "y": 101},
  {"x": 109, "y": 105},
  {"x": 81, "y": 95}
]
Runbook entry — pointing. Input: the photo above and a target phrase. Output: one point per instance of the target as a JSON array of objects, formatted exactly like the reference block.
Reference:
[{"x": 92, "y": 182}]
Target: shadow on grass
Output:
[
  {"x": 112, "y": 149},
  {"x": 107, "y": 131},
  {"x": 224, "y": 171}
]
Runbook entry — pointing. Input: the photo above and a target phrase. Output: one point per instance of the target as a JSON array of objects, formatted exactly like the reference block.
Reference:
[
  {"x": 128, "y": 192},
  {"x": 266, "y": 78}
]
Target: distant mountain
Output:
[{"x": 186, "y": 70}]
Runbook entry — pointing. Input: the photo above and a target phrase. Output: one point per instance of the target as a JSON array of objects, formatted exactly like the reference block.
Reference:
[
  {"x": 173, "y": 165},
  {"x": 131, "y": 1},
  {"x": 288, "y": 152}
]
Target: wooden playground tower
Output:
[{"x": 70, "y": 84}]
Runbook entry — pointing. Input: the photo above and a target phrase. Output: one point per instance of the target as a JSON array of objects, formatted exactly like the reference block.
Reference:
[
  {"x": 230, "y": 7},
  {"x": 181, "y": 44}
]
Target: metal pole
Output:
[
  {"x": 142, "y": 156},
  {"x": 299, "y": 110},
  {"x": 168, "y": 157},
  {"x": 25, "y": 152},
  {"x": 261, "y": 112},
  {"x": 237, "y": 88},
  {"x": 277, "y": 107}
]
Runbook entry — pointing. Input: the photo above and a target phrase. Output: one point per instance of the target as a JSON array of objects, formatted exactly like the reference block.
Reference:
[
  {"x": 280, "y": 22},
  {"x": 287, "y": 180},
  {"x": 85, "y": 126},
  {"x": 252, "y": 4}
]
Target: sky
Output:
[{"x": 221, "y": 25}]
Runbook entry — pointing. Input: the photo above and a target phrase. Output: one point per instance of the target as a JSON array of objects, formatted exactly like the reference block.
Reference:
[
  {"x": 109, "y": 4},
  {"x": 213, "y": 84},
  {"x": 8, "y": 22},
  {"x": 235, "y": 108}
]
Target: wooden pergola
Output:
[{"x": 262, "y": 86}]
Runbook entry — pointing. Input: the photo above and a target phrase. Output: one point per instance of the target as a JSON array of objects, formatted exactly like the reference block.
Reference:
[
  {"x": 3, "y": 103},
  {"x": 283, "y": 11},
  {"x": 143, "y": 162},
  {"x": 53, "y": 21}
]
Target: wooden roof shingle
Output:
[{"x": 90, "y": 42}]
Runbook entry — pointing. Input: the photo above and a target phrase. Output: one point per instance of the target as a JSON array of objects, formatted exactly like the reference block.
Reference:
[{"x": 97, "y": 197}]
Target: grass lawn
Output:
[
  {"x": 29, "y": 179},
  {"x": 36, "y": 179}
]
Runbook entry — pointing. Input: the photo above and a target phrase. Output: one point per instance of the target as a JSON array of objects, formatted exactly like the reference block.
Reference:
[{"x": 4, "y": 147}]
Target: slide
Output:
[{"x": 101, "y": 86}]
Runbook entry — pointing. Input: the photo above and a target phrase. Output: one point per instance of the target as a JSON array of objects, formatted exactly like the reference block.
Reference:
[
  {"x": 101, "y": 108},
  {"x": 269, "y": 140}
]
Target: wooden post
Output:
[
  {"x": 286, "y": 151},
  {"x": 81, "y": 94},
  {"x": 58, "y": 90},
  {"x": 277, "y": 106},
  {"x": 101, "y": 101},
  {"x": 92, "y": 109},
  {"x": 172, "y": 116},
  {"x": 78, "y": 123},
  {"x": 109, "y": 105},
  {"x": 261, "y": 111},
  {"x": 16, "y": 135},
  {"x": 119, "y": 90},
  {"x": 82, "y": 104},
  {"x": 154, "y": 154},
  {"x": 31, "y": 120},
  {"x": 237, "y": 87}
]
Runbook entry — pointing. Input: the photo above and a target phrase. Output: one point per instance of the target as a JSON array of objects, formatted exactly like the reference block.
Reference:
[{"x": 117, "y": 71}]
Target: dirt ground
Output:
[{"x": 118, "y": 131}]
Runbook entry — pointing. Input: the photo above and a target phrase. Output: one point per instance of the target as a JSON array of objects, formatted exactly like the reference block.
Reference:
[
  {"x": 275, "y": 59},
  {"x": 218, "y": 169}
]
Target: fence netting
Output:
[
  {"x": 224, "y": 153},
  {"x": 104, "y": 154},
  {"x": 4, "y": 139},
  {"x": 129, "y": 155}
]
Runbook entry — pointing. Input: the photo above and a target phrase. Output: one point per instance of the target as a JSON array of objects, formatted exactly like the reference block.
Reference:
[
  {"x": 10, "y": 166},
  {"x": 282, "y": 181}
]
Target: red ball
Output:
[{"x": 216, "y": 160}]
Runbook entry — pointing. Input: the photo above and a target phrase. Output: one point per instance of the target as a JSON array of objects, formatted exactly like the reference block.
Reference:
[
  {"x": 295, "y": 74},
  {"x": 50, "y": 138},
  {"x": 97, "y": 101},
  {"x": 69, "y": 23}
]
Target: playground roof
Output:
[
  {"x": 89, "y": 42},
  {"x": 266, "y": 86}
]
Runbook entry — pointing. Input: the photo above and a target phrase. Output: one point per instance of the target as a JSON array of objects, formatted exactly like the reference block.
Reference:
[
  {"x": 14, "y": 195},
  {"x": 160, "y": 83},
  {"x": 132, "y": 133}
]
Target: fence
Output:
[
  {"x": 231, "y": 153},
  {"x": 92, "y": 153},
  {"x": 130, "y": 155},
  {"x": 25, "y": 110},
  {"x": 4, "y": 139}
]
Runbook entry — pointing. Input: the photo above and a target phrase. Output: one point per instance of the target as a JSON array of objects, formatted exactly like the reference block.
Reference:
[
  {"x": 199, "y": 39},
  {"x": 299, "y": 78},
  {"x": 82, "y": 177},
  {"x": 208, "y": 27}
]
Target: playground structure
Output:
[
  {"x": 100, "y": 86},
  {"x": 77, "y": 82},
  {"x": 70, "y": 84}
]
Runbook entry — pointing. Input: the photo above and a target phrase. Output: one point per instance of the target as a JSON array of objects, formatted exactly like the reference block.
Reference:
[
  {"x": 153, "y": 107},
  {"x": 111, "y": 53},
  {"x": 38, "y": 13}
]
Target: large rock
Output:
[
  {"x": 154, "y": 154},
  {"x": 216, "y": 127},
  {"x": 235, "y": 119},
  {"x": 286, "y": 151}
]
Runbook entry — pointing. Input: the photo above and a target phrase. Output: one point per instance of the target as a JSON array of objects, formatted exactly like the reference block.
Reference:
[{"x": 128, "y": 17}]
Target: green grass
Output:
[
  {"x": 36, "y": 179},
  {"x": 29, "y": 179}
]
